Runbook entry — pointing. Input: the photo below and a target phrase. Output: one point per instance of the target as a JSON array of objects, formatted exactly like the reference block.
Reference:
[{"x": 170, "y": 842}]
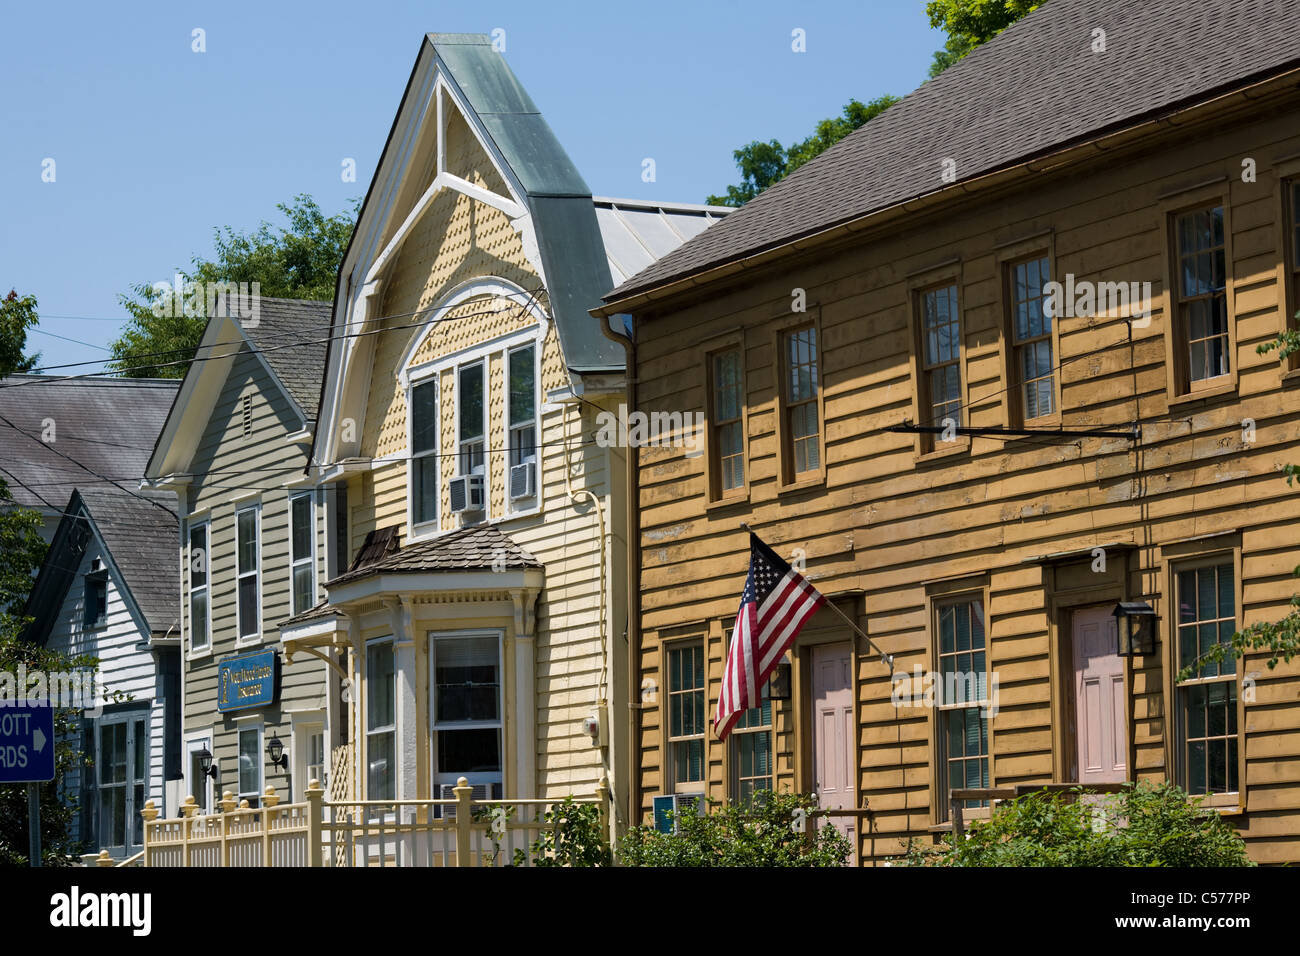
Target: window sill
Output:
[
  {"x": 961, "y": 447},
  {"x": 199, "y": 655},
  {"x": 243, "y": 642},
  {"x": 728, "y": 502},
  {"x": 816, "y": 480},
  {"x": 1291, "y": 378},
  {"x": 1204, "y": 395}
]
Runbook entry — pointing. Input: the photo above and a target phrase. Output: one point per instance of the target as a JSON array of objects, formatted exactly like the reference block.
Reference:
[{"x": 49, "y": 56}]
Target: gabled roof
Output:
[
  {"x": 290, "y": 340},
  {"x": 1032, "y": 90},
  {"x": 104, "y": 428},
  {"x": 139, "y": 534},
  {"x": 476, "y": 547},
  {"x": 293, "y": 335}
]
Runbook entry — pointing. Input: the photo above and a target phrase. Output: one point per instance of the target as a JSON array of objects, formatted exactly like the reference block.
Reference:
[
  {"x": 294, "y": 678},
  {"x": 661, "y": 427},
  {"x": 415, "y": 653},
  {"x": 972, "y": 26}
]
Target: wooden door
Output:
[
  {"x": 834, "y": 773},
  {"x": 1101, "y": 731}
]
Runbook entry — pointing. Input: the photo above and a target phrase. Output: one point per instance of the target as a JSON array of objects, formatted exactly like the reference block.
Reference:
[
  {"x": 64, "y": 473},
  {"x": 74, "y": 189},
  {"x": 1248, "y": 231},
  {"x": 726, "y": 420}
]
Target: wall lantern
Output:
[
  {"x": 205, "y": 763},
  {"x": 275, "y": 750},
  {"x": 778, "y": 685},
  {"x": 1136, "y": 626}
]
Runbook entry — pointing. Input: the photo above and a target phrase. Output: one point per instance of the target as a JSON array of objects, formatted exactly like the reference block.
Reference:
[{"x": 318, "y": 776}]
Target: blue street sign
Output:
[{"x": 26, "y": 743}]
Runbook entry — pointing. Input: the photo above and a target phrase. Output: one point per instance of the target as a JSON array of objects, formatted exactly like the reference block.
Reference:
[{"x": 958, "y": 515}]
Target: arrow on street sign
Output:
[{"x": 26, "y": 743}]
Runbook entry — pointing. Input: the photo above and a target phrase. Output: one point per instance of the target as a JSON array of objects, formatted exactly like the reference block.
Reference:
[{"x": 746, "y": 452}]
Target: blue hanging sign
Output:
[{"x": 248, "y": 681}]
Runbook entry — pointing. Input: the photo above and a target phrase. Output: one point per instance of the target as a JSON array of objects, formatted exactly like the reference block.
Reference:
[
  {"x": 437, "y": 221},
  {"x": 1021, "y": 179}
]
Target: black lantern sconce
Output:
[
  {"x": 205, "y": 763},
  {"x": 1136, "y": 626},
  {"x": 778, "y": 685},
  {"x": 275, "y": 751}
]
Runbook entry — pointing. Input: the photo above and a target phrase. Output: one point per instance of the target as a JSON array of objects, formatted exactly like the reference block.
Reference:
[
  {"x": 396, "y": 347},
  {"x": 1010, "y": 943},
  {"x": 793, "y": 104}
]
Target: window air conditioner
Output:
[
  {"x": 466, "y": 493},
  {"x": 522, "y": 481}
]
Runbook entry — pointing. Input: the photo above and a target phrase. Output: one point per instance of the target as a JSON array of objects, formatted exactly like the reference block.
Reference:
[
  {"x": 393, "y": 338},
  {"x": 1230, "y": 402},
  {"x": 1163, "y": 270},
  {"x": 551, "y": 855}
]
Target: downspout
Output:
[{"x": 633, "y": 536}]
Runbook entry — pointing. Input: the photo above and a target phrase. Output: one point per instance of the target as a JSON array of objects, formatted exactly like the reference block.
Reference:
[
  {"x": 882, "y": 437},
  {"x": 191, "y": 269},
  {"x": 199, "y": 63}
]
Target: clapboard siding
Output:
[
  {"x": 883, "y": 524},
  {"x": 234, "y": 469},
  {"x": 123, "y": 667},
  {"x": 457, "y": 240}
]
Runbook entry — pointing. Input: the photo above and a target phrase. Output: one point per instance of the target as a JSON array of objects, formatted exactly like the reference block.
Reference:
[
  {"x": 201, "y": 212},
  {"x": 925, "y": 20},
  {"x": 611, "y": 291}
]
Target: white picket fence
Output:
[{"x": 459, "y": 832}]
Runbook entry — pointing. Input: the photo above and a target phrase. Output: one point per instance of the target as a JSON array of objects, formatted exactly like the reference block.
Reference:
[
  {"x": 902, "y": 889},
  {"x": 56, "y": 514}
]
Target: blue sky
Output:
[{"x": 154, "y": 145}]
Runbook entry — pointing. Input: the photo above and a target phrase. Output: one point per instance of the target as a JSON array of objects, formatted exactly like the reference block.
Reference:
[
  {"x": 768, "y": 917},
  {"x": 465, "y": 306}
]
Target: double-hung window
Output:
[
  {"x": 522, "y": 440},
  {"x": 248, "y": 580},
  {"x": 1207, "y": 701},
  {"x": 1291, "y": 198},
  {"x": 1033, "y": 362},
  {"x": 250, "y": 764},
  {"x": 686, "y": 721},
  {"x": 940, "y": 399},
  {"x": 381, "y": 721},
  {"x": 302, "y": 553},
  {"x": 962, "y": 698},
  {"x": 802, "y": 388},
  {"x": 200, "y": 634},
  {"x": 727, "y": 432},
  {"x": 470, "y": 429},
  {"x": 467, "y": 709},
  {"x": 751, "y": 749},
  {"x": 1201, "y": 301},
  {"x": 424, "y": 452}
]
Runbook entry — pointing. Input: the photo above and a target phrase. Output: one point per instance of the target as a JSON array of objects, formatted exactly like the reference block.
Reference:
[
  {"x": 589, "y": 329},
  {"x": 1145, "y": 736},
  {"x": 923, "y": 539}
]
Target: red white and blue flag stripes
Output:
[{"x": 773, "y": 608}]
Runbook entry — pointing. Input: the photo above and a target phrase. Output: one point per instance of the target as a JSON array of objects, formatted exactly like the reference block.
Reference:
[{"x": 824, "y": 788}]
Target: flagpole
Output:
[{"x": 887, "y": 658}]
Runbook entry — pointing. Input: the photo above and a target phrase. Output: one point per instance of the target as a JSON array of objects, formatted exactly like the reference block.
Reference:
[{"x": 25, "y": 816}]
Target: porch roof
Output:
[{"x": 473, "y": 548}]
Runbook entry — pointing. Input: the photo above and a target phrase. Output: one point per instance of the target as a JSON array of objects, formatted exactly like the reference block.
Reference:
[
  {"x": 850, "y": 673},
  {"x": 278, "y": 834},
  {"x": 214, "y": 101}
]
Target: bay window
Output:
[{"x": 466, "y": 713}]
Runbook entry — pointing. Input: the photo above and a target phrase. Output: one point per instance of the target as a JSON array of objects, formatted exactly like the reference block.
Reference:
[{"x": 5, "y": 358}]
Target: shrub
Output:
[
  {"x": 1144, "y": 825},
  {"x": 764, "y": 832}
]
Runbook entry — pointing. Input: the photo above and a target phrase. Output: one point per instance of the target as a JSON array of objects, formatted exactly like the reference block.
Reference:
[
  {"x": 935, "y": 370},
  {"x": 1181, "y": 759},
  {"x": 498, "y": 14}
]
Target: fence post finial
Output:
[
  {"x": 464, "y": 821},
  {"x": 271, "y": 798},
  {"x": 103, "y": 859},
  {"x": 228, "y": 802}
]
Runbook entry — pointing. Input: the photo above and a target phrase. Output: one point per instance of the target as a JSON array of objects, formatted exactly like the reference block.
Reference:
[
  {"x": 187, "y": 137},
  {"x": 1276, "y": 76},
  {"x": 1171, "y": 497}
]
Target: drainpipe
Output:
[{"x": 633, "y": 786}]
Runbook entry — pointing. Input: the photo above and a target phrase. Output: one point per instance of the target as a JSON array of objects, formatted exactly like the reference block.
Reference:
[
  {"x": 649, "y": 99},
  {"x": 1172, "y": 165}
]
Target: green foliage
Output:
[
  {"x": 969, "y": 23},
  {"x": 763, "y": 164},
  {"x": 1279, "y": 639},
  {"x": 17, "y": 315},
  {"x": 760, "y": 833},
  {"x": 300, "y": 261},
  {"x": 1145, "y": 825},
  {"x": 576, "y": 838}
]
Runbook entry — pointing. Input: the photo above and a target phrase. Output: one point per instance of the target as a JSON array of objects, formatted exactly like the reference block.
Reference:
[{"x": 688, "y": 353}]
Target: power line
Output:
[{"x": 255, "y": 350}]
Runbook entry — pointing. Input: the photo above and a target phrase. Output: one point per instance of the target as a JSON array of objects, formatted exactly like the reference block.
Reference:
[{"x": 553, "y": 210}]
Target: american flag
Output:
[{"x": 776, "y": 603}]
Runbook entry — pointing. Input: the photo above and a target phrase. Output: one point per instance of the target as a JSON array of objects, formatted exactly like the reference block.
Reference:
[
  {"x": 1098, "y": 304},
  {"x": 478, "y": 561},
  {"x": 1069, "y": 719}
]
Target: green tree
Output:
[
  {"x": 1144, "y": 825},
  {"x": 969, "y": 23},
  {"x": 763, "y": 164},
  {"x": 297, "y": 261},
  {"x": 17, "y": 316}
]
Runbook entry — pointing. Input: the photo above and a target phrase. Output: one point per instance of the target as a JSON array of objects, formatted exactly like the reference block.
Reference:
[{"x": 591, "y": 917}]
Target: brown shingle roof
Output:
[
  {"x": 1033, "y": 89},
  {"x": 473, "y": 548}
]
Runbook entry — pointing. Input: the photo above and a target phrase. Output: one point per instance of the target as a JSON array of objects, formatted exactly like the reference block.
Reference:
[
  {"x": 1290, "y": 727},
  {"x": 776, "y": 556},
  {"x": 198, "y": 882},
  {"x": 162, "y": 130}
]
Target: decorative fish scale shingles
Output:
[{"x": 1035, "y": 88}]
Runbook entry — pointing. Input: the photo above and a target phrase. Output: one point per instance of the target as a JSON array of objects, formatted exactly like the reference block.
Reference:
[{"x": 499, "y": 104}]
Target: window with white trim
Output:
[
  {"x": 381, "y": 721},
  {"x": 248, "y": 575},
  {"x": 302, "y": 554},
  {"x": 963, "y": 699},
  {"x": 467, "y": 711},
  {"x": 250, "y": 764},
  {"x": 200, "y": 623},
  {"x": 522, "y": 411},
  {"x": 1207, "y": 701},
  {"x": 424, "y": 452},
  {"x": 470, "y": 419}
]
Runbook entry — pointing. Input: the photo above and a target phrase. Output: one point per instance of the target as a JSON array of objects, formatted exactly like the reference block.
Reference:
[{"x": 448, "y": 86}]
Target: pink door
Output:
[
  {"x": 832, "y": 708},
  {"x": 1100, "y": 727}
]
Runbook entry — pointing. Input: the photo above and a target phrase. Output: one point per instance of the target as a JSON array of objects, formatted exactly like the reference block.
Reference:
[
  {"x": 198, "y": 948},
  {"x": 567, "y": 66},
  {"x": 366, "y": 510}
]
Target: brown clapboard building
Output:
[{"x": 1069, "y": 459}]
